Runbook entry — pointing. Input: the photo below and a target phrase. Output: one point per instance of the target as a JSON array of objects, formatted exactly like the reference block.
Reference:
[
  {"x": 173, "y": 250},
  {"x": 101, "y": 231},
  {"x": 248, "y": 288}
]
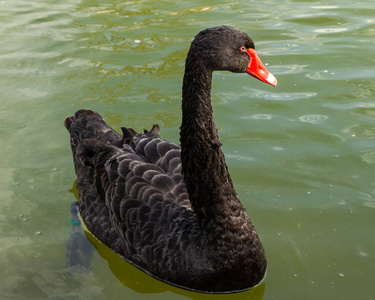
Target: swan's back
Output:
[{"x": 133, "y": 197}]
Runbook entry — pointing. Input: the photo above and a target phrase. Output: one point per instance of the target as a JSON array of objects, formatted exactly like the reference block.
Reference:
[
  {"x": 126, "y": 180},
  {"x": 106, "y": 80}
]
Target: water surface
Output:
[{"x": 302, "y": 155}]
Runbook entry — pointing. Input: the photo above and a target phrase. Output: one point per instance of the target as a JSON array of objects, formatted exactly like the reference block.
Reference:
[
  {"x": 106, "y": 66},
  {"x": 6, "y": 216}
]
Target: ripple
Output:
[
  {"x": 369, "y": 204},
  {"x": 368, "y": 157},
  {"x": 320, "y": 75},
  {"x": 313, "y": 119},
  {"x": 283, "y": 96},
  {"x": 288, "y": 69},
  {"x": 277, "y": 148},
  {"x": 330, "y": 30},
  {"x": 361, "y": 130},
  {"x": 239, "y": 157},
  {"x": 324, "y": 7},
  {"x": 258, "y": 117}
]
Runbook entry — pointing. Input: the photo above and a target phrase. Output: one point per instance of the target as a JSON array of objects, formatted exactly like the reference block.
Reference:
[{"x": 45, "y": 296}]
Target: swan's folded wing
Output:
[
  {"x": 133, "y": 197},
  {"x": 150, "y": 212}
]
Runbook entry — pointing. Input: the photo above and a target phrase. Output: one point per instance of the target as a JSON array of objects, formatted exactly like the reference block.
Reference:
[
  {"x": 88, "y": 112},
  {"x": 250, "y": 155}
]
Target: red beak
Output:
[{"x": 258, "y": 70}]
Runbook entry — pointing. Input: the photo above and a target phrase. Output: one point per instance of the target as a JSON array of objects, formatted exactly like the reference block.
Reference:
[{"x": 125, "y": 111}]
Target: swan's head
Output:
[{"x": 230, "y": 49}]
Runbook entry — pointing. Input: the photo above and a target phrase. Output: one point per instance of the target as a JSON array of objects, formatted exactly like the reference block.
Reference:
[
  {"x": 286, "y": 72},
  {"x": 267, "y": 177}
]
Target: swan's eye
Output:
[{"x": 243, "y": 49}]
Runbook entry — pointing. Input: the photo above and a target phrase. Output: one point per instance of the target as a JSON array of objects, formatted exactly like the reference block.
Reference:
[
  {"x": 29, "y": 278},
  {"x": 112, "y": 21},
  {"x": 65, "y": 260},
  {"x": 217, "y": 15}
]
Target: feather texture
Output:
[
  {"x": 172, "y": 211},
  {"x": 137, "y": 196}
]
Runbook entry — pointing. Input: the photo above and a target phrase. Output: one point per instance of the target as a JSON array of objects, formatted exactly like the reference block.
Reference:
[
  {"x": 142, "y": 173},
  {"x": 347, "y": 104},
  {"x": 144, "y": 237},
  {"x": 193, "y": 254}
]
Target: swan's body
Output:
[{"x": 171, "y": 211}]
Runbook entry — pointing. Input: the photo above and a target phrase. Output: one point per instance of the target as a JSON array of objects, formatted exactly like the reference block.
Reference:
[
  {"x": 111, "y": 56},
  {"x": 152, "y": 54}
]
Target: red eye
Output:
[{"x": 243, "y": 49}]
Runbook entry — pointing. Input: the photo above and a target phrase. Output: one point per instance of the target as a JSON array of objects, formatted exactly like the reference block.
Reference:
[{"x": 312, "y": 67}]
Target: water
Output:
[{"x": 302, "y": 155}]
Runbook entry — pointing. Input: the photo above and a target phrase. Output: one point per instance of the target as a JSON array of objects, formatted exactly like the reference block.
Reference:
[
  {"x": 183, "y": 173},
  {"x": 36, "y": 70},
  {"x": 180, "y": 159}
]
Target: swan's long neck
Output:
[
  {"x": 206, "y": 175},
  {"x": 226, "y": 230}
]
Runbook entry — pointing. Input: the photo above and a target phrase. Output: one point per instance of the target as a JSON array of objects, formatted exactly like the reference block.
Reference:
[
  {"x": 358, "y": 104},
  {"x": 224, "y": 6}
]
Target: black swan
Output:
[{"x": 171, "y": 210}]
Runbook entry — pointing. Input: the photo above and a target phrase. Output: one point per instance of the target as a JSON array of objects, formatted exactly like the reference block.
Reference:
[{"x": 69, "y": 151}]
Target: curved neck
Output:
[
  {"x": 226, "y": 230},
  {"x": 206, "y": 175}
]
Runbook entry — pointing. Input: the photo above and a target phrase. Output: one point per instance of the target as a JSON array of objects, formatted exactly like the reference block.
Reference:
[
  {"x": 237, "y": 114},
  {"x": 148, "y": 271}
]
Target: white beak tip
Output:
[{"x": 271, "y": 79}]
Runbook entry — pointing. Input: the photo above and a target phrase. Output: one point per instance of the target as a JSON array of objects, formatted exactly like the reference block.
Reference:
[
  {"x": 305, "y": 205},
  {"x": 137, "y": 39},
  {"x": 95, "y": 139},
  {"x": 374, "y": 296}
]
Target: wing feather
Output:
[{"x": 132, "y": 194}]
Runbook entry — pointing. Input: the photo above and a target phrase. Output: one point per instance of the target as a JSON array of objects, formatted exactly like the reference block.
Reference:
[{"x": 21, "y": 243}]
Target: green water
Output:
[{"x": 302, "y": 155}]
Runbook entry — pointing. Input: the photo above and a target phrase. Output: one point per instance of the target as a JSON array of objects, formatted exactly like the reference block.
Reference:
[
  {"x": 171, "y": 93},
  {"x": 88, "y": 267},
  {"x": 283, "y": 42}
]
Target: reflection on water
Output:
[
  {"x": 140, "y": 282},
  {"x": 78, "y": 248}
]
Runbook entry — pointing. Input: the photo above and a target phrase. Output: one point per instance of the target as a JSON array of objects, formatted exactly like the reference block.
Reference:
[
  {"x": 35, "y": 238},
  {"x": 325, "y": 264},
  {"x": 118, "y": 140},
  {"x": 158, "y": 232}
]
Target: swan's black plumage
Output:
[{"x": 173, "y": 212}]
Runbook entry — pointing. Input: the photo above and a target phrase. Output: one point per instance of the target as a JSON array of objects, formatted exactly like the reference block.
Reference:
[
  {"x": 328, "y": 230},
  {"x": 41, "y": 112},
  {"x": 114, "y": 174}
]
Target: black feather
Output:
[{"x": 170, "y": 210}]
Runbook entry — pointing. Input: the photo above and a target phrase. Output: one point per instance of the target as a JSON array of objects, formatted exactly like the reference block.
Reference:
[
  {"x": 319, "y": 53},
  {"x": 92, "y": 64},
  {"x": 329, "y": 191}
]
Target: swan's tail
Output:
[
  {"x": 95, "y": 146},
  {"x": 88, "y": 124},
  {"x": 93, "y": 141},
  {"x": 88, "y": 131}
]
